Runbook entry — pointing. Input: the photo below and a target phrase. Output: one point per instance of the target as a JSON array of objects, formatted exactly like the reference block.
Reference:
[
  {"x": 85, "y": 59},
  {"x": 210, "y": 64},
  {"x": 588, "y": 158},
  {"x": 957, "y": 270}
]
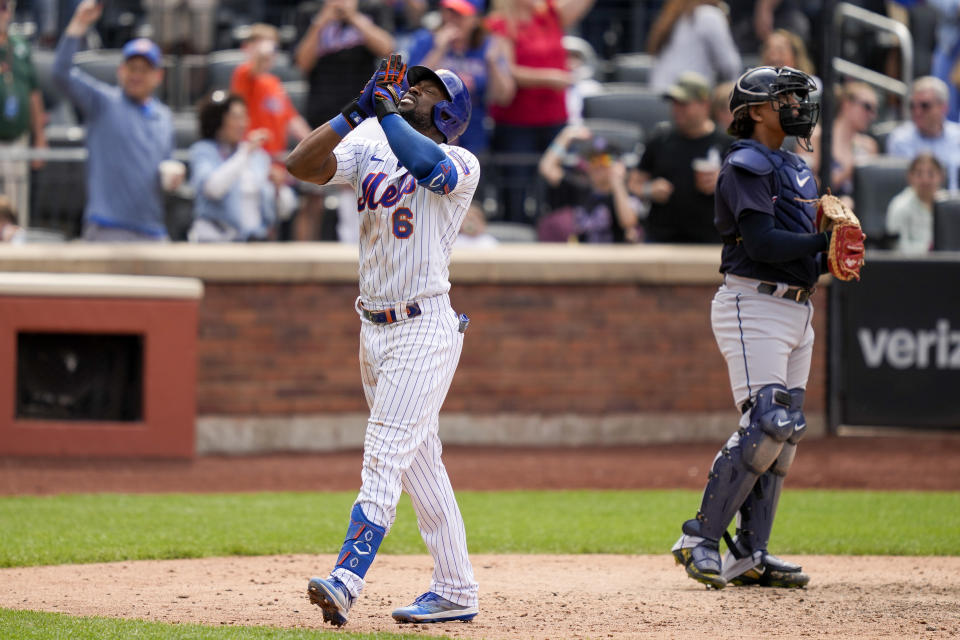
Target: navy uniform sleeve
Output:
[{"x": 748, "y": 192}]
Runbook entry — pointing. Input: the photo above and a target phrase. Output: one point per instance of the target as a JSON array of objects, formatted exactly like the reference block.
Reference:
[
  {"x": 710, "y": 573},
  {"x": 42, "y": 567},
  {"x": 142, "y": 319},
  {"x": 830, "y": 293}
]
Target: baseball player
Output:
[
  {"x": 777, "y": 242},
  {"x": 413, "y": 191}
]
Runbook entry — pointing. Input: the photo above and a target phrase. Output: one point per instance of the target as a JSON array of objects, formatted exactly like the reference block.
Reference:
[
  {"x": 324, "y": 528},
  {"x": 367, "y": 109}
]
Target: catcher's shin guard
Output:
[
  {"x": 361, "y": 544},
  {"x": 747, "y": 561},
  {"x": 737, "y": 467}
]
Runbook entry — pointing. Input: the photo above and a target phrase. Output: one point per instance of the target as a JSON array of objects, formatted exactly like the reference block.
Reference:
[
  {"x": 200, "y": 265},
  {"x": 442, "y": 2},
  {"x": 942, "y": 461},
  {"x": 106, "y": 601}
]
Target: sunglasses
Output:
[
  {"x": 868, "y": 106},
  {"x": 922, "y": 106},
  {"x": 603, "y": 160}
]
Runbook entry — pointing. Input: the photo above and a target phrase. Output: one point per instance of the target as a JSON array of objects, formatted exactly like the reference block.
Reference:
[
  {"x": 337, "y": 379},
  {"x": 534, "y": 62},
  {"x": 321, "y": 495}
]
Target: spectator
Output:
[
  {"x": 946, "y": 55},
  {"x": 239, "y": 191},
  {"x": 23, "y": 112},
  {"x": 582, "y": 62},
  {"x": 129, "y": 133},
  {"x": 267, "y": 101},
  {"x": 752, "y": 21},
  {"x": 856, "y": 112},
  {"x": 910, "y": 213},
  {"x": 929, "y": 129},
  {"x": 462, "y": 45},
  {"x": 679, "y": 168},
  {"x": 784, "y": 48},
  {"x": 692, "y": 35},
  {"x": 10, "y": 231},
  {"x": 473, "y": 232},
  {"x": 594, "y": 198},
  {"x": 530, "y": 33},
  {"x": 337, "y": 54},
  {"x": 720, "y": 105}
]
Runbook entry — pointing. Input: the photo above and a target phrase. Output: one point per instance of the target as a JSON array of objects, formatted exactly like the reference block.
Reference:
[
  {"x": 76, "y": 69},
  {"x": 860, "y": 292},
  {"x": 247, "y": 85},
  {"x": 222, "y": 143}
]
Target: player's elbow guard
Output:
[{"x": 443, "y": 179}]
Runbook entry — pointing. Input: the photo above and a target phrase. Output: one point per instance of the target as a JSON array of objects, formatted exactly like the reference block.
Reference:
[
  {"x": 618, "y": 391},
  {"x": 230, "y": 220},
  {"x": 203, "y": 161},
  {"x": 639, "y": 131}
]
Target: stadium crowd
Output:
[{"x": 596, "y": 121}]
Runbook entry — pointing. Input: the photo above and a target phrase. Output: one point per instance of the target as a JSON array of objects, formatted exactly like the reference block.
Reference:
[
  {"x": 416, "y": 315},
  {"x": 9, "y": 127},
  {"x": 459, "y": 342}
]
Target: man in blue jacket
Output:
[{"x": 129, "y": 133}]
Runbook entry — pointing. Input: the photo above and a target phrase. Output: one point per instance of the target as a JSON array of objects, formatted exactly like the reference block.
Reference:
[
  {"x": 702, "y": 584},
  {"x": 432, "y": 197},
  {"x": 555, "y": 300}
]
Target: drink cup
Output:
[{"x": 172, "y": 173}]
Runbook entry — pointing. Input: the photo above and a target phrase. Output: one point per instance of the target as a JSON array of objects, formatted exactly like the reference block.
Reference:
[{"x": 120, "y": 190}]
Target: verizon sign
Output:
[
  {"x": 938, "y": 348},
  {"x": 895, "y": 344}
]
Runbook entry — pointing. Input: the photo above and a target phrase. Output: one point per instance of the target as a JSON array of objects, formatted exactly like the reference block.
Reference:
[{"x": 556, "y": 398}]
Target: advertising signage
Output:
[{"x": 895, "y": 344}]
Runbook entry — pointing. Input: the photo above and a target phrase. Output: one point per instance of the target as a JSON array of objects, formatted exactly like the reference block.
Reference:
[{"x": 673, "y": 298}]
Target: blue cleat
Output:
[
  {"x": 432, "y": 608},
  {"x": 331, "y": 596}
]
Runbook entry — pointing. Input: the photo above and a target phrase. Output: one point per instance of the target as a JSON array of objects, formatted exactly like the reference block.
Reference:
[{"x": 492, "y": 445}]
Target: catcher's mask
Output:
[
  {"x": 451, "y": 116},
  {"x": 791, "y": 91}
]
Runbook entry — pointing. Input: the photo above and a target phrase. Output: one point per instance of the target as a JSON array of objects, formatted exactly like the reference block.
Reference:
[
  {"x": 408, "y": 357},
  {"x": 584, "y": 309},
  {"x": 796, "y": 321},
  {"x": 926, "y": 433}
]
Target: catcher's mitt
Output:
[
  {"x": 845, "y": 253},
  {"x": 831, "y": 212}
]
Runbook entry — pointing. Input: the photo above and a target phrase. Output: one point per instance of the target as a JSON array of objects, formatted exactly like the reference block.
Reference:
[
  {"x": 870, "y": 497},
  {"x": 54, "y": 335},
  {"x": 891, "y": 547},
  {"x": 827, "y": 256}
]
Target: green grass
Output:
[
  {"x": 107, "y": 527},
  {"x": 30, "y": 625},
  {"x": 110, "y": 527}
]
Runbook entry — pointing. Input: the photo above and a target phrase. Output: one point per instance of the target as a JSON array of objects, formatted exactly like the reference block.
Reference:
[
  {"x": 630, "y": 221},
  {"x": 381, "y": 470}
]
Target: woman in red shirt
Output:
[{"x": 529, "y": 34}]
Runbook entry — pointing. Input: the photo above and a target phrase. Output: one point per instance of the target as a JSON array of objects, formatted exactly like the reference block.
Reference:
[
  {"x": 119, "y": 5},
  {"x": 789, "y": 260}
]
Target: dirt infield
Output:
[
  {"x": 528, "y": 597},
  {"x": 536, "y": 597},
  {"x": 922, "y": 462}
]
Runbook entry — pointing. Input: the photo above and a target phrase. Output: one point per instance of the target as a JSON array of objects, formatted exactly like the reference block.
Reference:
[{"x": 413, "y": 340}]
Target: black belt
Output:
[
  {"x": 798, "y": 294},
  {"x": 389, "y": 316}
]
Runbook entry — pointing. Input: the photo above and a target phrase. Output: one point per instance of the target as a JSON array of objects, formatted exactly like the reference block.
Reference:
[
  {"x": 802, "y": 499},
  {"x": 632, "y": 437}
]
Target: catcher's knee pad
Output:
[
  {"x": 771, "y": 424},
  {"x": 782, "y": 464},
  {"x": 361, "y": 544}
]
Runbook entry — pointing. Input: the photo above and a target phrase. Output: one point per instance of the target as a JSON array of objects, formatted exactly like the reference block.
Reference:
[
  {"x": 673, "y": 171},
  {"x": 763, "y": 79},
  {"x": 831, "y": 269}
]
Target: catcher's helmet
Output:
[
  {"x": 451, "y": 116},
  {"x": 774, "y": 84}
]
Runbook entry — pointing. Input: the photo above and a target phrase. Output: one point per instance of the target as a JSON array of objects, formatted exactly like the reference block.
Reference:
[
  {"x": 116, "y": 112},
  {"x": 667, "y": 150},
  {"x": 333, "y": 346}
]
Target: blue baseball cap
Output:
[{"x": 145, "y": 48}]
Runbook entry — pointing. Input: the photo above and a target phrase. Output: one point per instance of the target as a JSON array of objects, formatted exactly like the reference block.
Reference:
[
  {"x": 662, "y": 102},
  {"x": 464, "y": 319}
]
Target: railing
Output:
[{"x": 846, "y": 12}]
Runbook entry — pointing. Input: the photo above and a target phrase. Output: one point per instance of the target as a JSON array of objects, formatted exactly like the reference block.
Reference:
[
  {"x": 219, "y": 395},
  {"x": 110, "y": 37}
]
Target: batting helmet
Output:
[
  {"x": 451, "y": 116},
  {"x": 775, "y": 84}
]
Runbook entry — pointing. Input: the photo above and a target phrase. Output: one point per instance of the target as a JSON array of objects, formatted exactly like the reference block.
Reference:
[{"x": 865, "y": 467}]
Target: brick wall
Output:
[{"x": 291, "y": 348}]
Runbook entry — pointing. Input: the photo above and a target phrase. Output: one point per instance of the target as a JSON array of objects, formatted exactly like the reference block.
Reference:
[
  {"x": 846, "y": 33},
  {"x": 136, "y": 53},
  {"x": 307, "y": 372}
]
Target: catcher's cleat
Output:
[
  {"x": 332, "y": 597},
  {"x": 772, "y": 572},
  {"x": 702, "y": 562}
]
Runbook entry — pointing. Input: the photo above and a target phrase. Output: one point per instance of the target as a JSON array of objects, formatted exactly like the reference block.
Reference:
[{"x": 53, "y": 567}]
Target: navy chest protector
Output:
[{"x": 795, "y": 188}]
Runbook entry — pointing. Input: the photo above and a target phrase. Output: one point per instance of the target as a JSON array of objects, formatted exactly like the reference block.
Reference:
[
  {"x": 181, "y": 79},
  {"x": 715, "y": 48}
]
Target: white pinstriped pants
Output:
[{"x": 407, "y": 368}]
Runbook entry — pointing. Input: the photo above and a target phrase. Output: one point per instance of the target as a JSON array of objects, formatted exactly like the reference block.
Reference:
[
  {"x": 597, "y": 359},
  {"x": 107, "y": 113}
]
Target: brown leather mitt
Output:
[
  {"x": 845, "y": 254},
  {"x": 831, "y": 211}
]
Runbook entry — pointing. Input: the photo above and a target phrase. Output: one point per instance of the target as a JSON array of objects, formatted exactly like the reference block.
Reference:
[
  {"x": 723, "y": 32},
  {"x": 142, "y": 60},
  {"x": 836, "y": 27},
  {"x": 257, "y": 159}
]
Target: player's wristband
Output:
[
  {"x": 353, "y": 114},
  {"x": 384, "y": 108},
  {"x": 340, "y": 125}
]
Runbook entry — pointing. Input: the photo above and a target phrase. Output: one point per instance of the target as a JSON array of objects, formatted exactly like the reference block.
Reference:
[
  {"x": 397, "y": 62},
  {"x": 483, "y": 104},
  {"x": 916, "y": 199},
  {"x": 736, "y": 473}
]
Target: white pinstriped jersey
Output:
[{"x": 406, "y": 231}]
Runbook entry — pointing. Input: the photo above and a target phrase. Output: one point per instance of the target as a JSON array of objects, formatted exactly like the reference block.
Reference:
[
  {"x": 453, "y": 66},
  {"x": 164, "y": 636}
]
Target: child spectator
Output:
[
  {"x": 592, "y": 198},
  {"x": 910, "y": 213}
]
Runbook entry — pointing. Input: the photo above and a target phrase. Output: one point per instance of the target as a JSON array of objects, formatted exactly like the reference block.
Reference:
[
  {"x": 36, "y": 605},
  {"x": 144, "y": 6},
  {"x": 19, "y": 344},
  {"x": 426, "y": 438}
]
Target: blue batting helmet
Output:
[{"x": 451, "y": 116}]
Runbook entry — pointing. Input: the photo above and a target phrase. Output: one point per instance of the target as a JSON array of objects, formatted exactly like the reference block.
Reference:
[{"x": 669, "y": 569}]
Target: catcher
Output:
[{"x": 778, "y": 238}]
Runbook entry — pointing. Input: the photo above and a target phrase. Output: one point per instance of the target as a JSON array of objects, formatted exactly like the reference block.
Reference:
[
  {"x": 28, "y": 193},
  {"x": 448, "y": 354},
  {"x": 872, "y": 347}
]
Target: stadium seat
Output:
[
  {"x": 186, "y": 129},
  {"x": 632, "y": 67},
  {"x": 625, "y": 135},
  {"x": 59, "y": 109},
  {"x": 946, "y": 223},
  {"x": 512, "y": 231},
  {"x": 875, "y": 182},
  {"x": 879, "y": 131},
  {"x": 629, "y": 102},
  {"x": 297, "y": 90}
]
